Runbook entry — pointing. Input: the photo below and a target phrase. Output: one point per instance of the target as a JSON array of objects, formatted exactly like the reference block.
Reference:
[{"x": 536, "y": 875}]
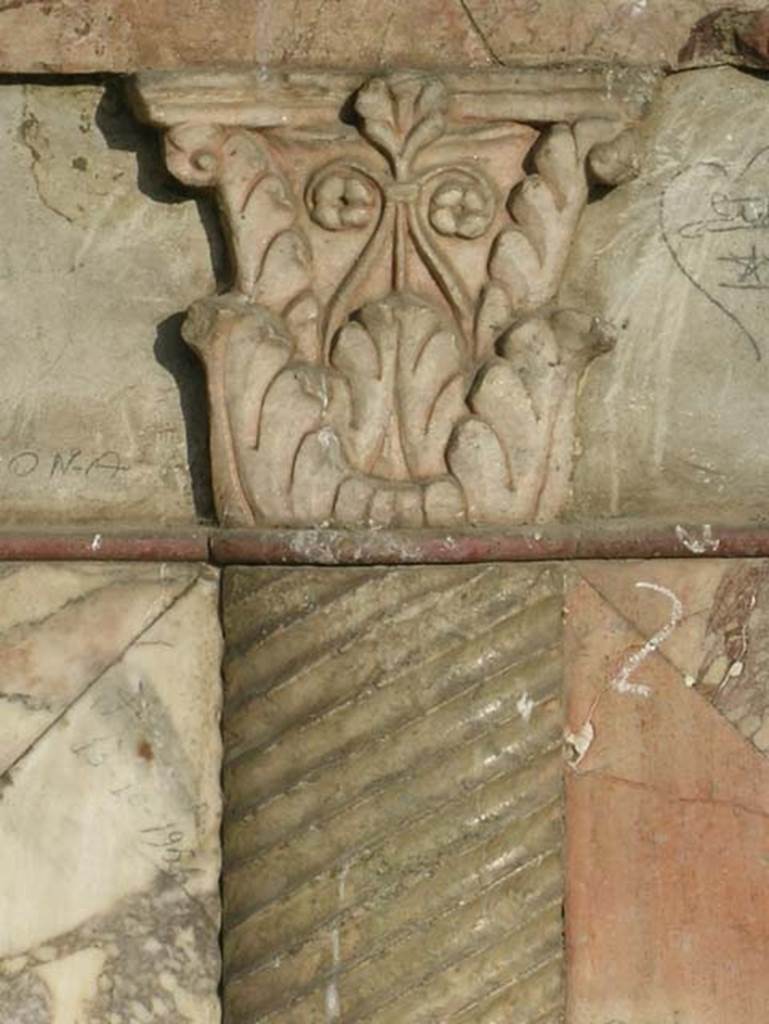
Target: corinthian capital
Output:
[{"x": 394, "y": 350}]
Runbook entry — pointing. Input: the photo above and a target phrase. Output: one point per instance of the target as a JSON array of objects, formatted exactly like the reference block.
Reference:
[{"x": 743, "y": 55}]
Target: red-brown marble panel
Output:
[{"x": 667, "y": 904}]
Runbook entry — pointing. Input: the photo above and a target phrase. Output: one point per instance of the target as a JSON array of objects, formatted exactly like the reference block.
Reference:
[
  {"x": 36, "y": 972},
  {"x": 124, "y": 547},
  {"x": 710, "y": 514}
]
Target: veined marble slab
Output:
[
  {"x": 667, "y": 793},
  {"x": 109, "y": 797}
]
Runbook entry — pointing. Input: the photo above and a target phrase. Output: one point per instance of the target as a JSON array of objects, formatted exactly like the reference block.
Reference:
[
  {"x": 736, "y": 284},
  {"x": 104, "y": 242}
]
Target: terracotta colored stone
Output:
[
  {"x": 721, "y": 644},
  {"x": 104, "y": 546},
  {"x": 753, "y": 37},
  {"x": 132, "y": 34},
  {"x": 610, "y": 539},
  {"x": 729, "y": 35},
  {"x": 667, "y": 904},
  {"x": 607, "y": 540},
  {"x": 633, "y": 31},
  {"x": 39, "y": 35}
]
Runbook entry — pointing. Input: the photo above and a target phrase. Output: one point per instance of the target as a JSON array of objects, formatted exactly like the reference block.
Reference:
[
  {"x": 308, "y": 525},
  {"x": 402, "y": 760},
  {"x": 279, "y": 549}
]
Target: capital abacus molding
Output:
[{"x": 393, "y": 351}]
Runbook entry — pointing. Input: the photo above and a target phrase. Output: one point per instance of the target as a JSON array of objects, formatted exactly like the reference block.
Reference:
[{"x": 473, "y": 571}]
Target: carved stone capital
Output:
[{"x": 393, "y": 351}]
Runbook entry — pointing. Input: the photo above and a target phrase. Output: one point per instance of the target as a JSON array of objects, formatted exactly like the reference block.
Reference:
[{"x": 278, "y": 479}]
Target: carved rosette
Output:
[{"x": 393, "y": 351}]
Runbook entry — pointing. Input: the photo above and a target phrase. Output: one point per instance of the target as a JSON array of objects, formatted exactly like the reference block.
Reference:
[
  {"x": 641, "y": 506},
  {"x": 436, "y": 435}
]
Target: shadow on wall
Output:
[
  {"x": 121, "y": 131},
  {"x": 174, "y": 355}
]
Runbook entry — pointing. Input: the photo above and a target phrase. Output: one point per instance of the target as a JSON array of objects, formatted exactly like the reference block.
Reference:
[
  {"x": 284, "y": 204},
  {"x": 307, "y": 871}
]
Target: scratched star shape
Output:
[
  {"x": 748, "y": 269},
  {"x": 715, "y": 223}
]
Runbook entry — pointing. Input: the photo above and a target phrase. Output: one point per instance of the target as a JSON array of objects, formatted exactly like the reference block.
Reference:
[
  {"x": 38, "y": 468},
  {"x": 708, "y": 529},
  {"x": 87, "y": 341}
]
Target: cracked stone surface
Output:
[
  {"x": 128, "y": 34},
  {"x": 667, "y": 800},
  {"x": 109, "y": 794},
  {"x": 99, "y": 258}
]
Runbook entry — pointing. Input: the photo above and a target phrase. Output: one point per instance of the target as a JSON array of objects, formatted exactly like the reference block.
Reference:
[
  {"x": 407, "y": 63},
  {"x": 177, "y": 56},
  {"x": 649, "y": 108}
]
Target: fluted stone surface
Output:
[{"x": 393, "y": 795}]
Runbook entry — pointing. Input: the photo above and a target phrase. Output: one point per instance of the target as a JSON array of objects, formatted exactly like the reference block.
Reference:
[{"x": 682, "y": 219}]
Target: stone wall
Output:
[
  {"x": 471, "y": 793},
  {"x": 102, "y": 405}
]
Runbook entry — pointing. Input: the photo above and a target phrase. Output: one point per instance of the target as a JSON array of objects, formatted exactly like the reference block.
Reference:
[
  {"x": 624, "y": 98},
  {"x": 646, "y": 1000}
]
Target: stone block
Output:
[
  {"x": 392, "y": 839},
  {"x": 117, "y": 35},
  {"x": 110, "y": 805},
  {"x": 667, "y": 795},
  {"x": 677, "y": 260},
  {"x": 102, "y": 412}
]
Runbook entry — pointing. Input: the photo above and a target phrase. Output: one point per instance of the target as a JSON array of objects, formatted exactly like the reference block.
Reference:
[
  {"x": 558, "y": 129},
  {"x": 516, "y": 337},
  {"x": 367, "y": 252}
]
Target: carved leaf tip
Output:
[
  {"x": 402, "y": 113},
  {"x": 618, "y": 160}
]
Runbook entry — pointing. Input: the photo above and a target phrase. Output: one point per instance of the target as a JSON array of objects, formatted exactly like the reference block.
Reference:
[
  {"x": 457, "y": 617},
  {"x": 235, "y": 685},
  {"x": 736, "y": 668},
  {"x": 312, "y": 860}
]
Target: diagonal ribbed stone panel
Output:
[{"x": 393, "y": 825}]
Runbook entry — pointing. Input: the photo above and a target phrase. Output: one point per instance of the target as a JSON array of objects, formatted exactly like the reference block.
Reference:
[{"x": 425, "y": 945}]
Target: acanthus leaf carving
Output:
[
  {"x": 271, "y": 257},
  {"x": 523, "y": 401},
  {"x": 404, "y": 366},
  {"x": 528, "y": 258},
  {"x": 394, "y": 351}
]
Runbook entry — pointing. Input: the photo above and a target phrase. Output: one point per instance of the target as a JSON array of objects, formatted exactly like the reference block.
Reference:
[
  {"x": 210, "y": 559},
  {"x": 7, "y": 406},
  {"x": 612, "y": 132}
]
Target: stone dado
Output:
[
  {"x": 396, "y": 786},
  {"x": 393, "y": 351}
]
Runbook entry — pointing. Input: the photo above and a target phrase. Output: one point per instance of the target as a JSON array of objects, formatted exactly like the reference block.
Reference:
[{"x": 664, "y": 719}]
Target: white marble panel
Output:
[{"x": 109, "y": 801}]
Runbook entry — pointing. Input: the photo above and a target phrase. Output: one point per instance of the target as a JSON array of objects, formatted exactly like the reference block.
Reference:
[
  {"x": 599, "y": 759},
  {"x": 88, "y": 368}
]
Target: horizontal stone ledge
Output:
[
  {"x": 108, "y": 36},
  {"x": 563, "y": 542},
  {"x": 273, "y": 97},
  {"x": 611, "y": 540},
  {"x": 104, "y": 545}
]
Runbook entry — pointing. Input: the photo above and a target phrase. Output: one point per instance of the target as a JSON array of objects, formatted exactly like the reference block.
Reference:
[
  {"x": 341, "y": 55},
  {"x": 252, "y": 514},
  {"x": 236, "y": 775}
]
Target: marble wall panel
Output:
[
  {"x": 394, "y": 778},
  {"x": 667, "y": 794},
  {"x": 109, "y": 794},
  {"x": 392, "y": 839}
]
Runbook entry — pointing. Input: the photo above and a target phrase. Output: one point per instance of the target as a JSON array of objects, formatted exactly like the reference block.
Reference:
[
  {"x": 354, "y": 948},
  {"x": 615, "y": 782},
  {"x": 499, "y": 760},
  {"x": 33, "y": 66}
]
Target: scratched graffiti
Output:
[
  {"x": 715, "y": 223},
  {"x": 580, "y": 740},
  {"x": 38, "y": 465}
]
